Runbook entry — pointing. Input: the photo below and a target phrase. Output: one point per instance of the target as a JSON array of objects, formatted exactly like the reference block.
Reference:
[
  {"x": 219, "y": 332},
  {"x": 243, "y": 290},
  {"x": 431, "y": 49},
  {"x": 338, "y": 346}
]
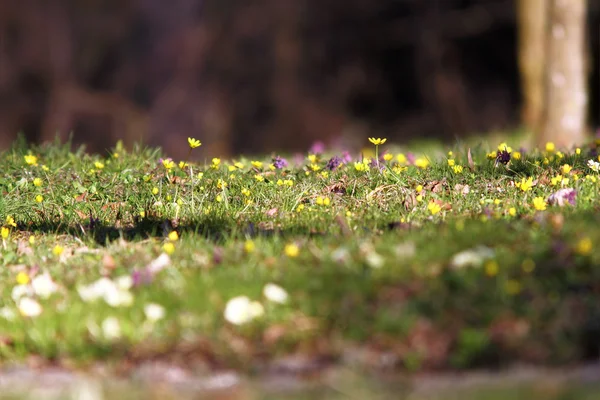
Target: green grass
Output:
[{"x": 378, "y": 264}]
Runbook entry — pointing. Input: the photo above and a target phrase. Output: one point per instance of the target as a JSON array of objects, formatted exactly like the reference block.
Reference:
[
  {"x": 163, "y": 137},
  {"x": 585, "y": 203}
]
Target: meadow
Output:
[{"x": 449, "y": 258}]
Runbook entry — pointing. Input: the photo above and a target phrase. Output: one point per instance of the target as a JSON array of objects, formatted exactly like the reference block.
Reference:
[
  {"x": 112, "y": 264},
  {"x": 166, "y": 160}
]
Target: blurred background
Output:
[{"x": 255, "y": 76}]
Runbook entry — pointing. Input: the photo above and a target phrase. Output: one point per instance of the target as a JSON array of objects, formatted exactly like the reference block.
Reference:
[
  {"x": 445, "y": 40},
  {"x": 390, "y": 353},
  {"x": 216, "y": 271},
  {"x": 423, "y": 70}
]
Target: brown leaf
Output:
[
  {"x": 470, "y": 160},
  {"x": 81, "y": 197},
  {"x": 410, "y": 201},
  {"x": 436, "y": 186},
  {"x": 462, "y": 189}
]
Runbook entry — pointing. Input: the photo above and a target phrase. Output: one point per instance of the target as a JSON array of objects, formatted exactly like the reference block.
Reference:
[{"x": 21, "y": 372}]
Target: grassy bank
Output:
[{"x": 455, "y": 258}]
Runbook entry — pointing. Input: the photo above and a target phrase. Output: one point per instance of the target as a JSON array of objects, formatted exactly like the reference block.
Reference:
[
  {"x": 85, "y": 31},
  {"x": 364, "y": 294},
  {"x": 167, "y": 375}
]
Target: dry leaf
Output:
[
  {"x": 470, "y": 160},
  {"x": 462, "y": 189}
]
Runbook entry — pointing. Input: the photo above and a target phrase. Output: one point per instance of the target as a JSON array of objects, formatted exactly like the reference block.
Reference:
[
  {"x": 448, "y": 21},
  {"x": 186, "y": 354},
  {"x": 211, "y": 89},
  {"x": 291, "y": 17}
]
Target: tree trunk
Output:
[
  {"x": 532, "y": 21},
  {"x": 565, "y": 97}
]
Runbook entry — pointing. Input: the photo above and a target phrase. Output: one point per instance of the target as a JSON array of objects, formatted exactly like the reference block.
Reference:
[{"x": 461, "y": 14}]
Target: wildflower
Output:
[
  {"x": 434, "y": 207},
  {"x": 584, "y": 246},
  {"x": 246, "y": 192},
  {"x": 314, "y": 167},
  {"x": 291, "y": 250},
  {"x": 578, "y": 151},
  {"x": 275, "y": 293},
  {"x": 221, "y": 184},
  {"x": 550, "y": 147},
  {"x": 257, "y": 164},
  {"x": 28, "y": 307},
  {"x": 99, "y": 164},
  {"x": 563, "y": 197},
  {"x": 182, "y": 164},
  {"x": 312, "y": 158},
  {"x": 111, "y": 328},
  {"x": 422, "y": 162},
  {"x": 279, "y": 162},
  {"x": 249, "y": 246},
  {"x": 458, "y": 169},
  {"x": 512, "y": 287},
  {"x": 525, "y": 185},
  {"x": 377, "y": 141},
  {"x": 37, "y": 182},
  {"x": 388, "y": 156},
  {"x": 333, "y": 163},
  {"x": 10, "y": 221},
  {"x": 594, "y": 165},
  {"x": 5, "y": 232},
  {"x": 539, "y": 203},
  {"x": 360, "y": 166},
  {"x": 503, "y": 156},
  {"x": 30, "y": 159},
  {"x": 471, "y": 257},
  {"x": 323, "y": 201},
  {"x": 22, "y": 278},
  {"x": 288, "y": 182},
  {"x": 169, "y": 248},
  {"x": 491, "y": 268},
  {"x": 419, "y": 188},
  {"x": 168, "y": 163},
  {"x": 193, "y": 143},
  {"x": 154, "y": 190},
  {"x": 43, "y": 285},
  {"x": 401, "y": 158},
  {"x": 154, "y": 312},
  {"x": 58, "y": 250},
  {"x": 39, "y": 198},
  {"x": 241, "y": 310},
  {"x": 173, "y": 236},
  {"x": 300, "y": 207},
  {"x": 215, "y": 163},
  {"x": 239, "y": 165},
  {"x": 259, "y": 178},
  {"x": 566, "y": 168},
  {"x": 512, "y": 211},
  {"x": 451, "y": 162},
  {"x": 200, "y": 175},
  {"x": 516, "y": 155},
  {"x": 504, "y": 147}
]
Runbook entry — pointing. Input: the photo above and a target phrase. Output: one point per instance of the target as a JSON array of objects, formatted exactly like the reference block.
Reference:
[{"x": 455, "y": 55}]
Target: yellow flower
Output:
[
  {"x": 451, "y": 162},
  {"x": 550, "y": 147},
  {"x": 323, "y": 201},
  {"x": 434, "y": 207},
  {"x": 566, "y": 168},
  {"x": 239, "y": 165},
  {"x": 388, "y": 156},
  {"x": 182, "y": 164},
  {"x": 458, "y": 169},
  {"x": 312, "y": 158},
  {"x": 215, "y": 163},
  {"x": 249, "y": 246},
  {"x": 22, "y": 278},
  {"x": 288, "y": 182},
  {"x": 37, "y": 182},
  {"x": 169, "y": 248},
  {"x": 32, "y": 240},
  {"x": 578, "y": 151},
  {"x": 99, "y": 164},
  {"x": 173, "y": 235},
  {"x": 512, "y": 287},
  {"x": 221, "y": 184},
  {"x": 193, "y": 143},
  {"x": 492, "y": 155},
  {"x": 10, "y": 221},
  {"x": 584, "y": 246},
  {"x": 300, "y": 207},
  {"x": 291, "y": 250},
  {"x": 491, "y": 268},
  {"x": 539, "y": 203},
  {"x": 512, "y": 211},
  {"x": 504, "y": 147},
  {"x": 168, "y": 163},
  {"x": 525, "y": 185},
  {"x": 219, "y": 198},
  {"x": 401, "y": 158},
  {"x": 5, "y": 232},
  {"x": 257, "y": 164},
  {"x": 422, "y": 162},
  {"x": 259, "y": 178},
  {"x": 314, "y": 167},
  {"x": 39, "y": 198},
  {"x": 30, "y": 159},
  {"x": 377, "y": 141},
  {"x": 360, "y": 166},
  {"x": 154, "y": 190},
  {"x": 419, "y": 188},
  {"x": 246, "y": 192},
  {"x": 516, "y": 155},
  {"x": 58, "y": 250}
]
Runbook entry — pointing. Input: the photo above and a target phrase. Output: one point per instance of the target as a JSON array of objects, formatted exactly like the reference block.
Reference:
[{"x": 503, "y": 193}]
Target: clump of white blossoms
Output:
[
  {"x": 154, "y": 312},
  {"x": 111, "y": 328},
  {"x": 115, "y": 294},
  {"x": 43, "y": 285},
  {"x": 241, "y": 310},
  {"x": 275, "y": 293},
  {"x": 594, "y": 165},
  {"x": 28, "y": 307}
]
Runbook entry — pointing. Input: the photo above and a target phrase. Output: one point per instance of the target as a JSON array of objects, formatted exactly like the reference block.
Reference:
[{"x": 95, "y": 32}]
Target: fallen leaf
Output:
[{"x": 470, "y": 160}]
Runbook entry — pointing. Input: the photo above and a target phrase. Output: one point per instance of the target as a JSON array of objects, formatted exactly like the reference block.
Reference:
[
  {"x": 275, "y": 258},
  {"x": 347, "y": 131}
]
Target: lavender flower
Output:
[
  {"x": 333, "y": 163},
  {"x": 280, "y": 162},
  {"x": 562, "y": 197},
  {"x": 502, "y": 157},
  {"x": 317, "y": 147}
]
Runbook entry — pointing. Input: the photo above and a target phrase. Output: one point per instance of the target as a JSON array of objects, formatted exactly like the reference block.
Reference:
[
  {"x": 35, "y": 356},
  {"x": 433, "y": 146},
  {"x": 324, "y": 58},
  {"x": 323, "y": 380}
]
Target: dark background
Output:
[{"x": 255, "y": 76}]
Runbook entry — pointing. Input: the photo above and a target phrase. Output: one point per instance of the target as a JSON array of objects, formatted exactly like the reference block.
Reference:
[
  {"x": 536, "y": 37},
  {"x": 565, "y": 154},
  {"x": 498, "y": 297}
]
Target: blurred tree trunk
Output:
[
  {"x": 565, "y": 87},
  {"x": 532, "y": 18}
]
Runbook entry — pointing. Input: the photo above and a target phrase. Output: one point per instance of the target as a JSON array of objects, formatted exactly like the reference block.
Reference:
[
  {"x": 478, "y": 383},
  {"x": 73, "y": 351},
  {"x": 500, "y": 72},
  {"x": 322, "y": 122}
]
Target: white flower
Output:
[
  {"x": 124, "y": 282},
  {"x": 374, "y": 260},
  {"x": 111, "y": 329},
  {"x": 275, "y": 293},
  {"x": 471, "y": 257},
  {"x": 154, "y": 312},
  {"x": 594, "y": 165},
  {"x": 43, "y": 285},
  {"x": 108, "y": 290},
  {"x": 7, "y": 313},
  {"x": 19, "y": 291},
  {"x": 240, "y": 310},
  {"x": 158, "y": 264},
  {"x": 29, "y": 307}
]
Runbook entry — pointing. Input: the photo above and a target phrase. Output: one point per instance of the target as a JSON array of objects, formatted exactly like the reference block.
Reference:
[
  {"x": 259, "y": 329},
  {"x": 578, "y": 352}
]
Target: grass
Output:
[{"x": 420, "y": 263}]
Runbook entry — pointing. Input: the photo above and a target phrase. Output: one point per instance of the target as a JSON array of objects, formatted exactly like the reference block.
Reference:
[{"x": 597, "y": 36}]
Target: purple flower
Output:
[
  {"x": 317, "y": 147},
  {"x": 280, "y": 162},
  {"x": 562, "y": 197},
  {"x": 502, "y": 157},
  {"x": 346, "y": 157},
  {"x": 333, "y": 163}
]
